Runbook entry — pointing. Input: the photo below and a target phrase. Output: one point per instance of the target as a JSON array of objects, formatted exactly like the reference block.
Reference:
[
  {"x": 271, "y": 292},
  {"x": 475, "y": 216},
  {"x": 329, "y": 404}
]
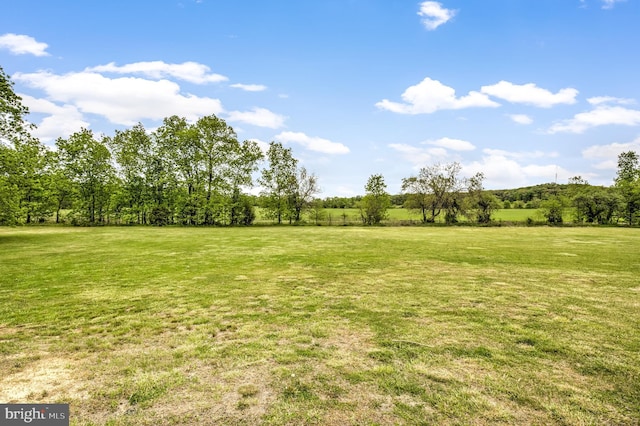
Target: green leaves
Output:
[
  {"x": 12, "y": 112},
  {"x": 279, "y": 181},
  {"x": 628, "y": 183},
  {"x": 87, "y": 164},
  {"x": 376, "y": 202}
]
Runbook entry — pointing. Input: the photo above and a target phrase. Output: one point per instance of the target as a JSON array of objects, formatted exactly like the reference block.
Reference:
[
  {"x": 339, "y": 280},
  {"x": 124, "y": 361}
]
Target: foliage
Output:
[
  {"x": 373, "y": 206},
  {"x": 436, "y": 188},
  {"x": 288, "y": 190},
  {"x": 12, "y": 112},
  {"x": 86, "y": 162},
  {"x": 628, "y": 184},
  {"x": 317, "y": 211},
  {"x": 279, "y": 181},
  {"x": 553, "y": 210},
  {"x": 242, "y": 211},
  {"x": 530, "y": 194},
  {"x": 304, "y": 190},
  {"x": 594, "y": 204},
  {"x": 23, "y": 162},
  {"x": 132, "y": 150},
  {"x": 480, "y": 203},
  {"x": 207, "y": 167}
]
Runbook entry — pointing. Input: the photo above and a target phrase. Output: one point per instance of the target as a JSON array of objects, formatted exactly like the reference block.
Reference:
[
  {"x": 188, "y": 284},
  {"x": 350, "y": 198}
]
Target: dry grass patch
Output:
[{"x": 44, "y": 380}]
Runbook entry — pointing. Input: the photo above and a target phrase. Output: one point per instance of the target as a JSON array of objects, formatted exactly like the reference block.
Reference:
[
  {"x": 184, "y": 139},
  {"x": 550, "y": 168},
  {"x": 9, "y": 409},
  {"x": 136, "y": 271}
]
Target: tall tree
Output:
[
  {"x": 12, "y": 112},
  {"x": 435, "y": 189},
  {"x": 9, "y": 191},
  {"x": 480, "y": 203},
  {"x": 60, "y": 186},
  {"x": 376, "y": 202},
  {"x": 306, "y": 187},
  {"x": 553, "y": 209},
  {"x": 176, "y": 141},
  {"x": 279, "y": 182},
  {"x": 87, "y": 163},
  {"x": 595, "y": 204},
  {"x": 23, "y": 161},
  {"x": 132, "y": 151},
  {"x": 30, "y": 177},
  {"x": 226, "y": 164},
  {"x": 242, "y": 210},
  {"x": 628, "y": 184},
  {"x": 208, "y": 167}
]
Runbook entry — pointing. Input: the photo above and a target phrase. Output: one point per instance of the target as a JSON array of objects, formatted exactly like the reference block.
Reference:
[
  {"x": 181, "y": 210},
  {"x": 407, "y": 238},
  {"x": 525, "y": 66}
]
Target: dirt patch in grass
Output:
[
  {"x": 349, "y": 346},
  {"x": 210, "y": 395},
  {"x": 49, "y": 379}
]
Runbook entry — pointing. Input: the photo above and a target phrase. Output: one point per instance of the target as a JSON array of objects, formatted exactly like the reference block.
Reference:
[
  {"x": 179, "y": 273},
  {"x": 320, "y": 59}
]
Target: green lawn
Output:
[
  {"x": 323, "y": 325},
  {"x": 396, "y": 215}
]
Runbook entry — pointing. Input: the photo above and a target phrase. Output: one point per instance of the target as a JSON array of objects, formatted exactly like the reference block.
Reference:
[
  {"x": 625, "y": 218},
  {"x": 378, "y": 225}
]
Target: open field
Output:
[
  {"x": 401, "y": 215},
  {"x": 323, "y": 325}
]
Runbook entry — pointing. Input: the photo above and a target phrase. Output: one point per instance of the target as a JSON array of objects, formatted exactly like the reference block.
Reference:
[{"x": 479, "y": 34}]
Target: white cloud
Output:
[
  {"x": 608, "y": 4},
  {"x": 249, "y": 87},
  {"x": 530, "y": 94},
  {"x": 260, "y": 117},
  {"x": 61, "y": 121},
  {"x": 23, "y": 45},
  {"x": 312, "y": 143},
  {"x": 420, "y": 157},
  {"x": 606, "y": 156},
  {"x": 504, "y": 170},
  {"x": 600, "y": 116},
  {"x": 430, "y": 95},
  {"x": 452, "y": 144},
  {"x": 192, "y": 72},
  {"x": 125, "y": 100},
  {"x": 434, "y": 14},
  {"x": 520, "y": 155},
  {"x": 597, "y": 100},
  {"x": 521, "y": 119}
]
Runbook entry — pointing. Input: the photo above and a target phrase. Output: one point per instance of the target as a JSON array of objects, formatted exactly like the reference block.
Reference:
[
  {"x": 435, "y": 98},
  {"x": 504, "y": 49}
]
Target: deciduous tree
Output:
[
  {"x": 132, "y": 150},
  {"x": 87, "y": 163},
  {"x": 12, "y": 112},
  {"x": 376, "y": 202},
  {"x": 435, "y": 189},
  {"x": 481, "y": 204},
  {"x": 23, "y": 161},
  {"x": 279, "y": 181},
  {"x": 553, "y": 209},
  {"x": 628, "y": 184},
  {"x": 306, "y": 187}
]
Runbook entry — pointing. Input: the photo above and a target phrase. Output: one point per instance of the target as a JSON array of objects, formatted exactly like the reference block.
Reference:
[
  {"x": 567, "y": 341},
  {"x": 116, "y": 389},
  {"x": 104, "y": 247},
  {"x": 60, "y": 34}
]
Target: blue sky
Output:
[{"x": 525, "y": 91}]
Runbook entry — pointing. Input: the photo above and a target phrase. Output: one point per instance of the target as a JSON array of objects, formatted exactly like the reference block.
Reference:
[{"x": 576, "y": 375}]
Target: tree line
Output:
[
  {"x": 181, "y": 173},
  {"x": 587, "y": 203},
  {"x": 199, "y": 174}
]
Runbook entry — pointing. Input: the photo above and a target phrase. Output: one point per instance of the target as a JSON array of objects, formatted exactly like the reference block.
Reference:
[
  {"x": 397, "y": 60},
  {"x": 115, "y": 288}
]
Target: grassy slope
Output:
[{"x": 290, "y": 325}]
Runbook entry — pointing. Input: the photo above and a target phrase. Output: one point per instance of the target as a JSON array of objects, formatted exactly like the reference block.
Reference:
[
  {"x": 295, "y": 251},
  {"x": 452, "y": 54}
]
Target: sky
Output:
[{"x": 524, "y": 91}]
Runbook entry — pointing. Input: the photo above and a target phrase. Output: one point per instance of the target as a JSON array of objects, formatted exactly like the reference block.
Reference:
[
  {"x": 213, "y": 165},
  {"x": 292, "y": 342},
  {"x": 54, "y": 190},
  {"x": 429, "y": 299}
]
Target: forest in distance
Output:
[{"x": 199, "y": 174}]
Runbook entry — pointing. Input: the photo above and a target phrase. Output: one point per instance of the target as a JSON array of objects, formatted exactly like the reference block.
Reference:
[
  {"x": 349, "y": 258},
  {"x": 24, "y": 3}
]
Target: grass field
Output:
[
  {"x": 323, "y": 325},
  {"x": 401, "y": 215}
]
